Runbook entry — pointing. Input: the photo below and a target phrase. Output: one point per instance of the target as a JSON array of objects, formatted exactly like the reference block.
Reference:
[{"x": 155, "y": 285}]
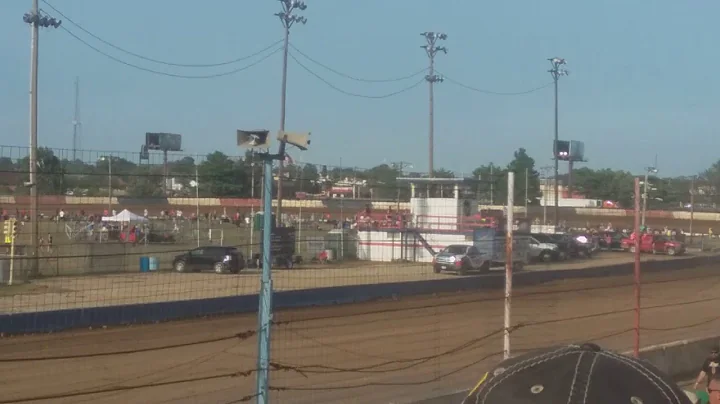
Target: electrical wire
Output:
[
  {"x": 354, "y": 78},
  {"x": 225, "y": 63},
  {"x": 130, "y": 387},
  {"x": 240, "y": 336},
  {"x": 334, "y": 87},
  {"x": 157, "y": 72},
  {"x": 479, "y": 90}
]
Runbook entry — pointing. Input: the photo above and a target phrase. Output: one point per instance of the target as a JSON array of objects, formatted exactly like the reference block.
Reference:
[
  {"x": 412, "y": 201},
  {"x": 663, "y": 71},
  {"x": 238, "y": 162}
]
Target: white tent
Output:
[{"x": 125, "y": 216}]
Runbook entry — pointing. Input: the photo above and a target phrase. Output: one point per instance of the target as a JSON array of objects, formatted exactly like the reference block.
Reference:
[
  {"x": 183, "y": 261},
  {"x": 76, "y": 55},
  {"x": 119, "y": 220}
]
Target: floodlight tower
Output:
[
  {"x": 431, "y": 49},
  {"x": 35, "y": 20},
  {"x": 76, "y": 121},
  {"x": 648, "y": 172},
  {"x": 255, "y": 139},
  {"x": 557, "y": 71},
  {"x": 288, "y": 18}
]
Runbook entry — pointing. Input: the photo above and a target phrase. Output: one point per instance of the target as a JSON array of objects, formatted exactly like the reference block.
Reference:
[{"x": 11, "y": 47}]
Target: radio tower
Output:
[{"x": 77, "y": 126}]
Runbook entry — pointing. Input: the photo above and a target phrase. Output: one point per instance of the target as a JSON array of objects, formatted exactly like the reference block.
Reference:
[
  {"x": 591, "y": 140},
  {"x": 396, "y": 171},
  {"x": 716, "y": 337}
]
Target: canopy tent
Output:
[{"x": 125, "y": 216}]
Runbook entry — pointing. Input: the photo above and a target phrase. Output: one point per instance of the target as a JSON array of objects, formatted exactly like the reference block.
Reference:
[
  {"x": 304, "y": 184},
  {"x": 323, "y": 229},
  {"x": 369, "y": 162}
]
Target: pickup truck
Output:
[
  {"x": 460, "y": 258},
  {"x": 611, "y": 240},
  {"x": 656, "y": 244}
]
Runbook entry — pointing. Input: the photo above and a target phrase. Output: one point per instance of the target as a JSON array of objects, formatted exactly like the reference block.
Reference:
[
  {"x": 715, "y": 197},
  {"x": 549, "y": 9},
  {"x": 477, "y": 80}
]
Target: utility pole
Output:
[
  {"x": 288, "y": 19},
  {"x": 432, "y": 49},
  {"x": 692, "y": 207},
  {"x": 400, "y": 166},
  {"x": 526, "y": 191},
  {"x": 545, "y": 171},
  {"x": 492, "y": 186},
  {"x": 556, "y": 71},
  {"x": 76, "y": 121},
  {"x": 36, "y": 21},
  {"x": 648, "y": 171}
]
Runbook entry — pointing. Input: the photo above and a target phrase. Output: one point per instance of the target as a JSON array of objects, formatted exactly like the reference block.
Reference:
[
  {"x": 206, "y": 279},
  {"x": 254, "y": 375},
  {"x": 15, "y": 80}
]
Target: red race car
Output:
[{"x": 656, "y": 244}]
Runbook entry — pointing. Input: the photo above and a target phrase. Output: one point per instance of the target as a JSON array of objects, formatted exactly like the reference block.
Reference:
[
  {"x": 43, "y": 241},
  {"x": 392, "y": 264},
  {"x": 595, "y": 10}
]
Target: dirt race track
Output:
[
  {"x": 379, "y": 352},
  {"x": 58, "y": 293}
]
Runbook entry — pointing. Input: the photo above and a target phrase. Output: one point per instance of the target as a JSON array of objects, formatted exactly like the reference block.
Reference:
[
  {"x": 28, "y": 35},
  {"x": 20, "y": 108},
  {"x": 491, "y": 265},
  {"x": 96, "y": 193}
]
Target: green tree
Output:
[
  {"x": 490, "y": 190},
  {"x": 710, "y": 189},
  {"x": 50, "y": 173},
  {"x": 146, "y": 181},
  {"x": 220, "y": 176},
  {"x": 383, "y": 183},
  {"x": 308, "y": 181},
  {"x": 521, "y": 165},
  {"x": 605, "y": 184},
  {"x": 443, "y": 173}
]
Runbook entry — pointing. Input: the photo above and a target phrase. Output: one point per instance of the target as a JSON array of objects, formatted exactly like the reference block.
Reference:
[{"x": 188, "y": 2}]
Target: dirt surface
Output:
[
  {"x": 380, "y": 352},
  {"x": 111, "y": 290}
]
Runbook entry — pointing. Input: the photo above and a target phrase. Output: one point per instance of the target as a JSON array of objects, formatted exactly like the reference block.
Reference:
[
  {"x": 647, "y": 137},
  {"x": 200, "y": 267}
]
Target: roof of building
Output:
[{"x": 448, "y": 181}]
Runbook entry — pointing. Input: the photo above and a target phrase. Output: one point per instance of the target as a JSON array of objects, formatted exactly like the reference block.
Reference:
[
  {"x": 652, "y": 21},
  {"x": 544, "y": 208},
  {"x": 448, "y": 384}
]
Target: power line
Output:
[
  {"x": 334, "y": 87},
  {"x": 347, "y": 76},
  {"x": 180, "y": 76},
  {"x": 479, "y": 90},
  {"x": 149, "y": 59},
  {"x": 117, "y": 389},
  {"x": 240, "y": 336}
]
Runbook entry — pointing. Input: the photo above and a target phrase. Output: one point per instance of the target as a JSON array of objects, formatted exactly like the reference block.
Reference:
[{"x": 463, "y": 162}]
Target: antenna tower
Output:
[{"x": 77, "y": 125}]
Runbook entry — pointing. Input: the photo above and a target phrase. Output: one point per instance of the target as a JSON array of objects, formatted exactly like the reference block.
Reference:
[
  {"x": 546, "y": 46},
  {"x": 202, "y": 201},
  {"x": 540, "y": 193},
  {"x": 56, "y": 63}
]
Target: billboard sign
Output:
[{"x": 163, "y": 141}]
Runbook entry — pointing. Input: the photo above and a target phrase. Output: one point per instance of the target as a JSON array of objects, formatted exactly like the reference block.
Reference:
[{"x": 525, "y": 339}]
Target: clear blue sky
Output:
[{"x": 642, "y": 78}]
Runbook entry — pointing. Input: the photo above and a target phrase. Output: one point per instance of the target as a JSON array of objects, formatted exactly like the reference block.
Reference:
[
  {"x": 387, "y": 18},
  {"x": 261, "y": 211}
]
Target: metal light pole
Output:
[
  {"x": 526, "y": 192},
  {"x": 692, "y": 207},
  {"x": 648, "y": 171},
  {"x": 432, "y": 49},
  {"x": 556, "y": 71},
  {"x": 252, "y": 206},
  {"x": 36, "y": 21},
  {"x": 109, "y": 161},
  {"x": 265, "y": 295},
  {"x": 197, "y": 203},
  {"x": 288, "y": 19},
  {"x": 400, "y": 167},
  {"x": 545, "y": 171},
  {"x": 508, "y": 264},
  {"x": 110, "y": 189}
]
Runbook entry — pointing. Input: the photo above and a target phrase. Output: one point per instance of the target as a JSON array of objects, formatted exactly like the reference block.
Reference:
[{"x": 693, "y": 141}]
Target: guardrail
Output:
[{"x": 52, "y": 321}]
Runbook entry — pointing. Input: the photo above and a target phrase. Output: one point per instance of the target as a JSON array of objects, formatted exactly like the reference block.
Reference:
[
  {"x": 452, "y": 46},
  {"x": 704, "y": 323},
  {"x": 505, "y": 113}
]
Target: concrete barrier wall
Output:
[
  {"x": 51, "y": 321},
  {"x": 680, "y": 360}
]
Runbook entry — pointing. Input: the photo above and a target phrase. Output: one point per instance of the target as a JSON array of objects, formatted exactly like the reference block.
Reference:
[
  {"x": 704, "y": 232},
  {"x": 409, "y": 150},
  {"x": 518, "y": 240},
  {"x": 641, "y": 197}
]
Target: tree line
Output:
[{"x": 220, "y": 175}]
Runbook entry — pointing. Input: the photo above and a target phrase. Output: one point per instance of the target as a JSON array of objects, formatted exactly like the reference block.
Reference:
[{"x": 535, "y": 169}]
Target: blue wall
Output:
[{"x": 52, "y": 321}]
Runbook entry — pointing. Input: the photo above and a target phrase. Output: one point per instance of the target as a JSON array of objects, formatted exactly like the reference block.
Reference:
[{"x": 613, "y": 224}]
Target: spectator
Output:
[
  {"x": 709, "y": 369},
  {"x": 576, "y": 374}
]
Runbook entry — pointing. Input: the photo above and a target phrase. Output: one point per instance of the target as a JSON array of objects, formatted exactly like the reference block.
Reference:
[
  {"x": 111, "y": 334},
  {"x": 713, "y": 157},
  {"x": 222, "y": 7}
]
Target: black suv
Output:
[
  {"x": 574, "y": 247},
  {"x": 219, "y": 259}
]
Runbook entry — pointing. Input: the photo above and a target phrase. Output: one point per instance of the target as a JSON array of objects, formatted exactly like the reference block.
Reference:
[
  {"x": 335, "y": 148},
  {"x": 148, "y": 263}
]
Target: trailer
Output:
[{"x": 491, "y": 243}]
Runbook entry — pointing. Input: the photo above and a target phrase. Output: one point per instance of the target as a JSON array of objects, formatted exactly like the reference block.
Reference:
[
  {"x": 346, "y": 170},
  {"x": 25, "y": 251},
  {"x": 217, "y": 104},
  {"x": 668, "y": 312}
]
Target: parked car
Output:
[
  {"x": 461, "y": 259},
  {"x": 216, "y": 258},
  {"x": 655, "y": 244},
  {"x": 575, "y": 247},
  {"x": 590, "y": 242},
  {"x": 562, "y": 251},
  {"x": 541, "y": 251},
  {"x": 612, "y": 240}
]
